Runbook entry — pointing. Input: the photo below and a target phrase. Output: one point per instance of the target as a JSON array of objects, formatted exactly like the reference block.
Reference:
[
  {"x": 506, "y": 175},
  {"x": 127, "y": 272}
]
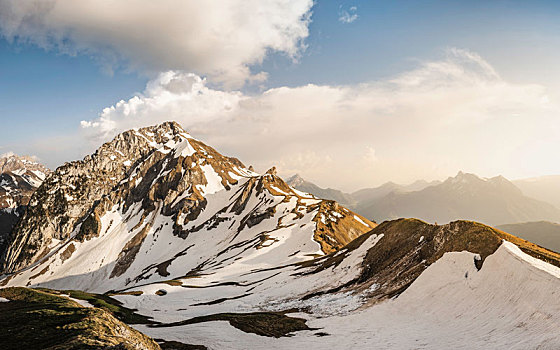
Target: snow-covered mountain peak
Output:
[
  {"x": 128, "y": 213},
  {"x": 19, "y": 178},
  {"x": 12, "y": 162}
]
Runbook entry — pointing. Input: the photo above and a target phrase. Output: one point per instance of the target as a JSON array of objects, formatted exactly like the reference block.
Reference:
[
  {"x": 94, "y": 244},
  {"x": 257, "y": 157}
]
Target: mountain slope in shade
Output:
[
  {"x": 300, "y": 184},
  {"x": 544, "y": 188},
  {"x": 544, "y": 233},
  {"x": 156, "y": 204},
  {"x": 33, "y": 319},
  {"x": 493, "y": 201},
  {"x": 19, "y": 178}
]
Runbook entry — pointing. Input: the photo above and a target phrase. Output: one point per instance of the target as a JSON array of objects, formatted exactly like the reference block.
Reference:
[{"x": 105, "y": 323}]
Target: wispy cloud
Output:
[
  {"x": 348, "y": 16},
  {"x": 445, "y": 115}
]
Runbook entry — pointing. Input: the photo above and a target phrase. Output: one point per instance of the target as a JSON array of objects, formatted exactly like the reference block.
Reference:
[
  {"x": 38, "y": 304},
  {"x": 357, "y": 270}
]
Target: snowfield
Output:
[{"x": 451, "y": 305}]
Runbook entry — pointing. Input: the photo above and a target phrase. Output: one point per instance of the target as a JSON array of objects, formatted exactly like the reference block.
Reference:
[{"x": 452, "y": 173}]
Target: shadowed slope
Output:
[
  {"x": 33, "y": 319},
  {"x": 544, "y": 233}
]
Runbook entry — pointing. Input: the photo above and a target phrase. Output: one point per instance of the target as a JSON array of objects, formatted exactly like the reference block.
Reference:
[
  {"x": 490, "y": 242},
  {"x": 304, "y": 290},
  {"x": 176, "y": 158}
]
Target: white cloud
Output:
[
  {"x": 348, "y": 16},
  {"x": 446, "y": 115},
  {"x": 219, "y": 39},
  {"x": 171, "y": 95}
]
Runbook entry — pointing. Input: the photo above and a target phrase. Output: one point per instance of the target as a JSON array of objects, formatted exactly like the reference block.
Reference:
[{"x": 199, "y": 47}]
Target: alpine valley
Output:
[{"x": 157, "y": 240}]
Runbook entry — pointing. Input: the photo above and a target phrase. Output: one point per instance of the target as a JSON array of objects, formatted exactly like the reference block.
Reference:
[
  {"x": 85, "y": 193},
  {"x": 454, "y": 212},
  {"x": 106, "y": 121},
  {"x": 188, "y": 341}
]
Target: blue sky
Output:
[
  {"x": 45, "y": 92},
  {"x": 390, "y": 36}
]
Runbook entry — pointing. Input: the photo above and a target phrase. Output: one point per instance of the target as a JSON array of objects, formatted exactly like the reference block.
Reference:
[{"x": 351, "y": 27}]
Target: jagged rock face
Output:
[
  {"x": 159, "y": 194},
  {"x": 19, "y": 178},
  {"x": 80, "y": 191}
]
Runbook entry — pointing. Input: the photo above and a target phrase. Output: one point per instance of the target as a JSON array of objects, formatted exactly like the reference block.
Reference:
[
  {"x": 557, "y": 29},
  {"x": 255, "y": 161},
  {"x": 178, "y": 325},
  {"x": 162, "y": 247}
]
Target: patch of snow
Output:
[
  {"x": 214, "y": 180},
  {"x": 278, "y": 190},
  {"x": 491, "y": 308},
  {"x": 303, "y": 194},
  {"x": 84, "y": 303},
  {"x": 337, "y": 214},
  {"x": 357, "y": 218},
  {"x": 537, "y": 263}
]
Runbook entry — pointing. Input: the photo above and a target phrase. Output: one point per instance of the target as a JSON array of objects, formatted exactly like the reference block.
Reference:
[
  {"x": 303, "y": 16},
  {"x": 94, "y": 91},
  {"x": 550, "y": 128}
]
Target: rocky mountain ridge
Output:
[{"x": 157, "y": 186}]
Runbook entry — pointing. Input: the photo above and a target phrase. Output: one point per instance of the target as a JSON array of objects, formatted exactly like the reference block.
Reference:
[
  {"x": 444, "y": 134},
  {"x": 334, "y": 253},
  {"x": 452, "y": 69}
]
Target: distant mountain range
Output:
[
  {"x": 366, "y": 197},
  {"x": 493, "y": 201}
]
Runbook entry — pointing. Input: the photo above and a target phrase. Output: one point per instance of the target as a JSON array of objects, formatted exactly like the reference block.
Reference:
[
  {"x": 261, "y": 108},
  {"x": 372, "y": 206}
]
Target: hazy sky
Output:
[{"x": 347, "y": 93}]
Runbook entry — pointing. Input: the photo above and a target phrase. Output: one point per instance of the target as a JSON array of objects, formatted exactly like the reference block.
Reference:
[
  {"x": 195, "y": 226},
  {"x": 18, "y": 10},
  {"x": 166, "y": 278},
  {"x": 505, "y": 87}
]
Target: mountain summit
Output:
[
  {"x": 156, "y": 202},
  {"x": 19, "y": 178}
]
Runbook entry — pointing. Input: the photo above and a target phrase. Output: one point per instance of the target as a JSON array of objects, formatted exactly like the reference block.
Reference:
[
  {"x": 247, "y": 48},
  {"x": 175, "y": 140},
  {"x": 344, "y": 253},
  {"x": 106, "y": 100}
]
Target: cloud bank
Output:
[
  {"x": 219, "y": 39},
  {"x": 452, "y": 114}
]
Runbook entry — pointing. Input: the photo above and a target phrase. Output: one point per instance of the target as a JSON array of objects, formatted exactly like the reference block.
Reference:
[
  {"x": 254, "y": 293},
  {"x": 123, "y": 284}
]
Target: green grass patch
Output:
[
  {"x": 107, "y": 303},
  {"x": 38, "y": 319}
]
